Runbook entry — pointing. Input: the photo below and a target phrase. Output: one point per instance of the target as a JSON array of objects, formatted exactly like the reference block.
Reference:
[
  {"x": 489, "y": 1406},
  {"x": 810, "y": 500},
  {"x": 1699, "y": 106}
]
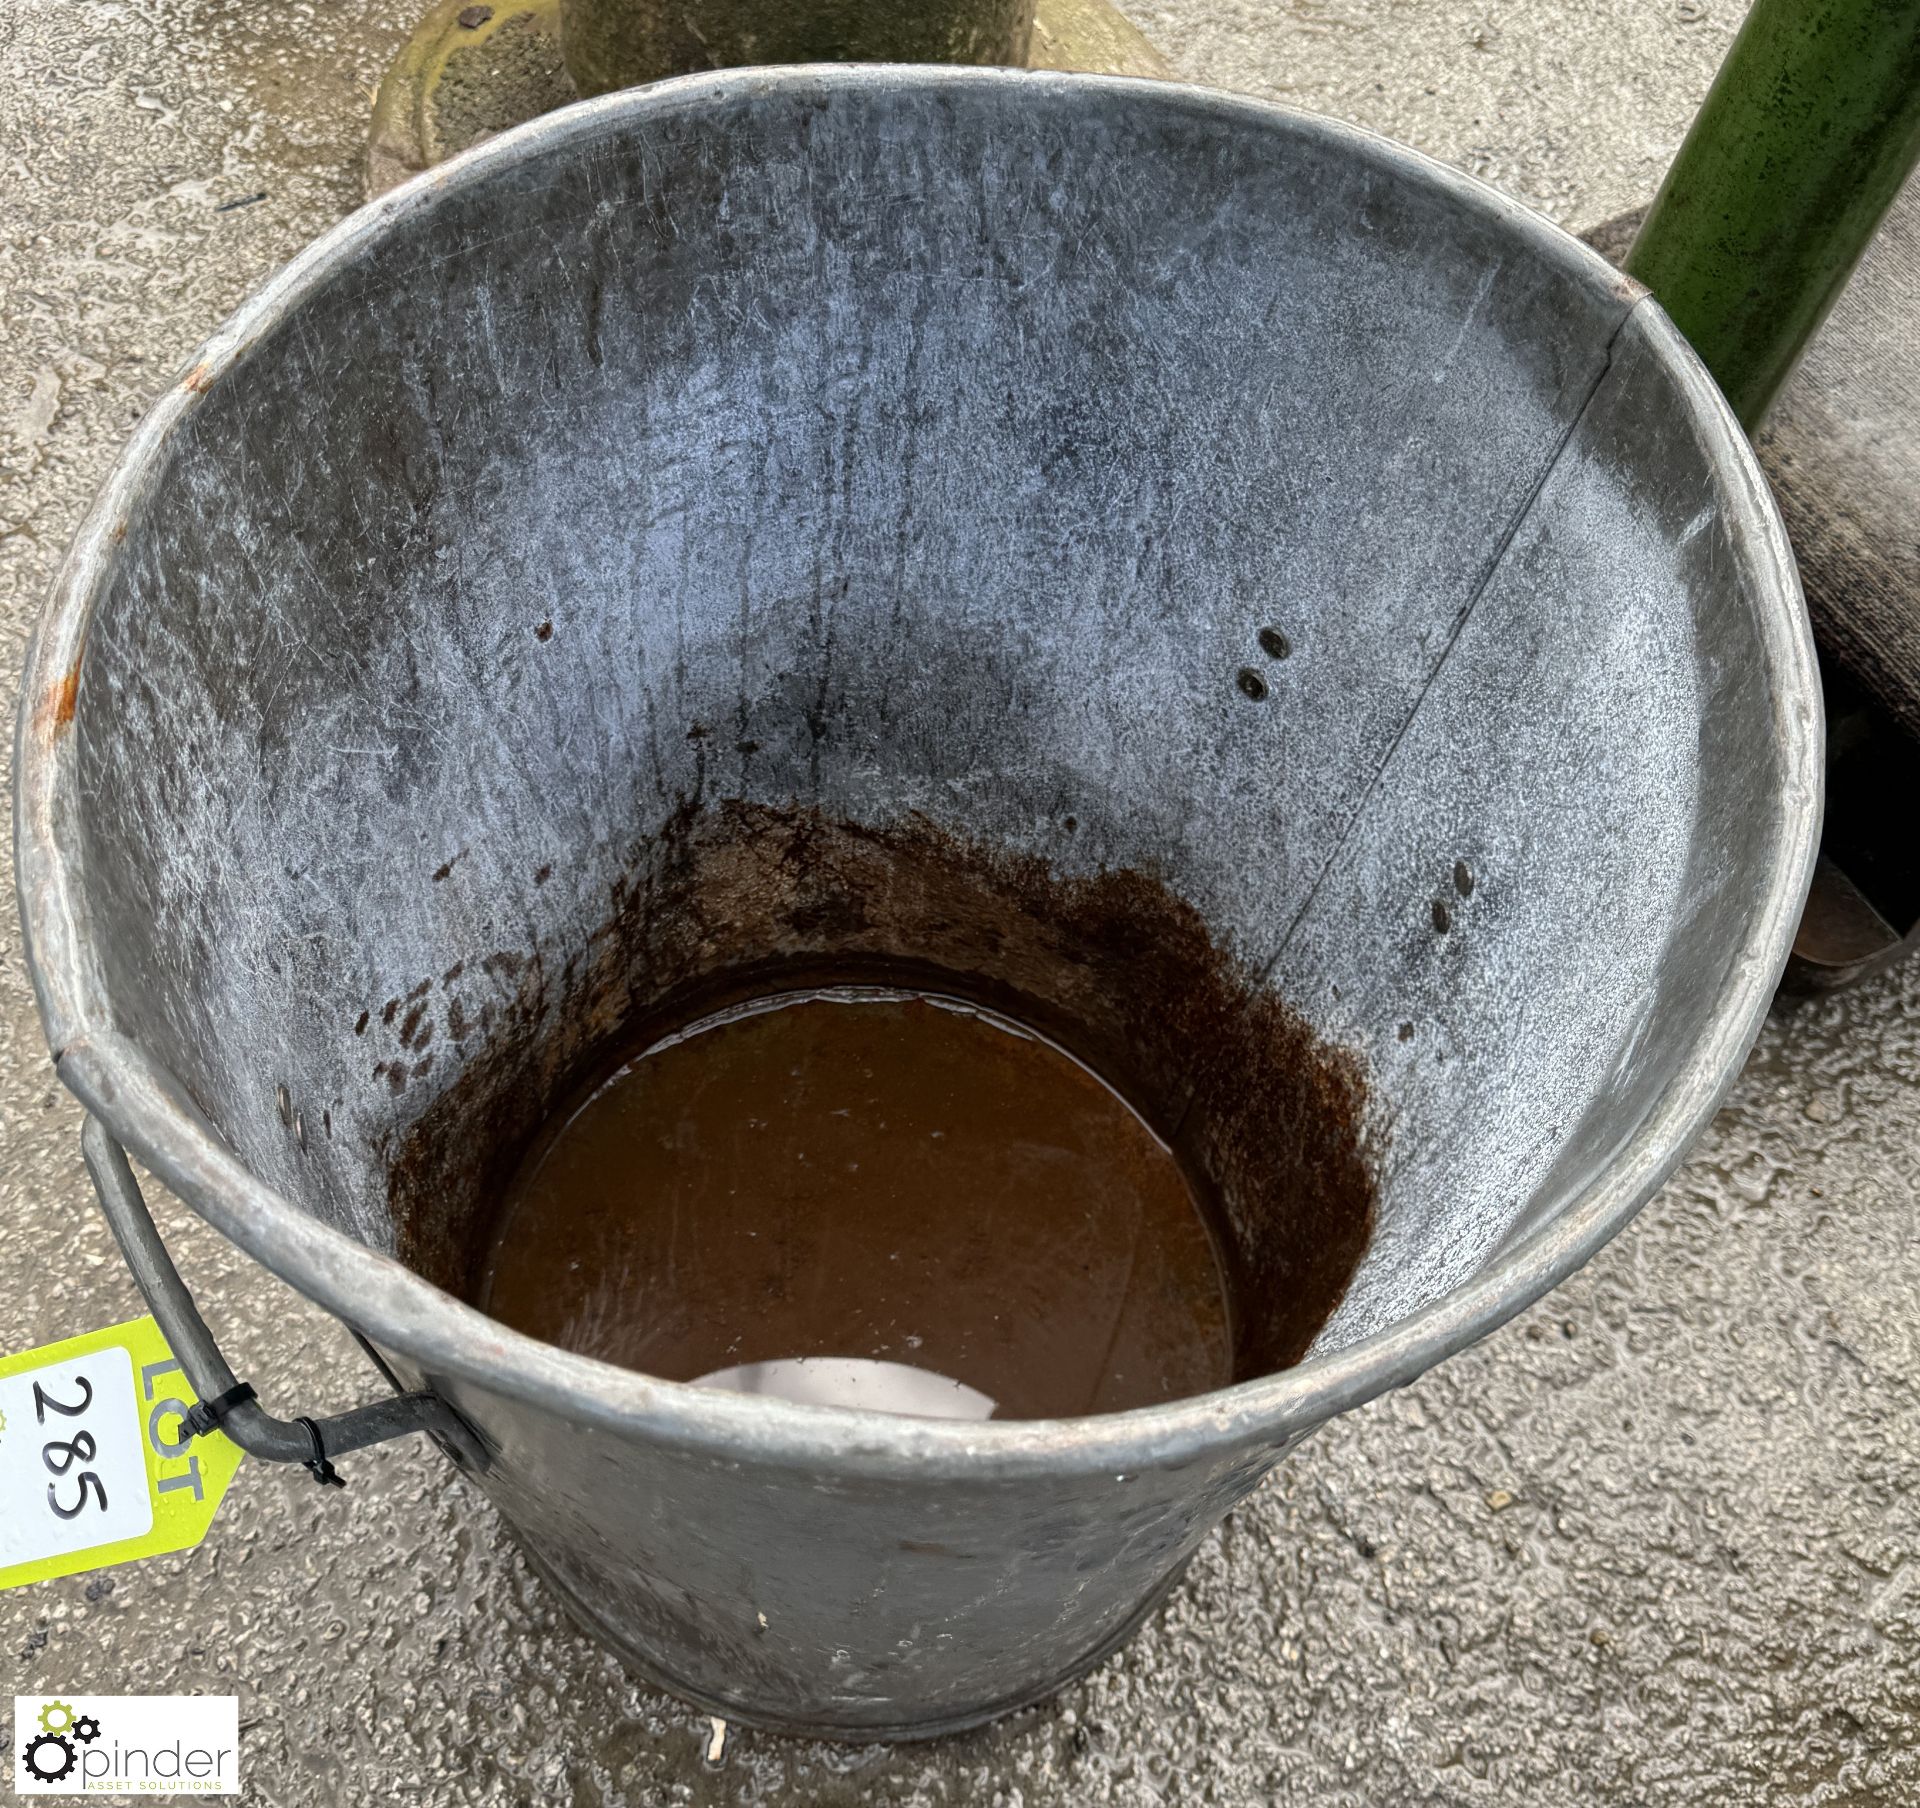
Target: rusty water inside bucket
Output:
[
  {"x": 862, "y": 1192},
  {"x": 894, "y": 1099}
]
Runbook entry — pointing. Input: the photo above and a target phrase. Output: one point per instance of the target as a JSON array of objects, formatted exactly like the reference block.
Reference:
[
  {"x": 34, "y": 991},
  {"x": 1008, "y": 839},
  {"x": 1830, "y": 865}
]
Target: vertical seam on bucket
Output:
[{"x": 1480, "y": 588}]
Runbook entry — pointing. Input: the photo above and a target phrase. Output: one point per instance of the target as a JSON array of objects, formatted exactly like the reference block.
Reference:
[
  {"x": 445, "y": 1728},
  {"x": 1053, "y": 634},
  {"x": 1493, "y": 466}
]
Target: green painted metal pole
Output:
[{"x": 1808, "y": 132}]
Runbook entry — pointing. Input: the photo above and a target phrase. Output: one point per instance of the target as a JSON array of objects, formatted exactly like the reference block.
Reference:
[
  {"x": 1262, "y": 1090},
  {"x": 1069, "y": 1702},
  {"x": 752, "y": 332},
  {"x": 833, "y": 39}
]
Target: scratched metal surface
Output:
[
  {"x": 887, "y": 454},
  {"x": 1649, "y": 1537}
]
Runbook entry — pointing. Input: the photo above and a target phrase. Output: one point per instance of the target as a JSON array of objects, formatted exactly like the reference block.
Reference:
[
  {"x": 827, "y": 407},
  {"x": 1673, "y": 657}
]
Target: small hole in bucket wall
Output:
[
  {"x": 1251, "y": 684},
  {"x": 1442, "y": 917},
  {"x": 1274, "y": 644}
]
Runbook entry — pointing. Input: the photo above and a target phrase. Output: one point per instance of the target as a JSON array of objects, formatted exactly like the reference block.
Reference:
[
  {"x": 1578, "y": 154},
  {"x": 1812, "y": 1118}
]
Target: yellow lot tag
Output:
[{"x": 95, "y": 1465}]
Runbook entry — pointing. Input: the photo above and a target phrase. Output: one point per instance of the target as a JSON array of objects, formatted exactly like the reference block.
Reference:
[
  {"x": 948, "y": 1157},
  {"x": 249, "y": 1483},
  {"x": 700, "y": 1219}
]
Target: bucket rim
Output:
[{"x": 451, "y": 1342}]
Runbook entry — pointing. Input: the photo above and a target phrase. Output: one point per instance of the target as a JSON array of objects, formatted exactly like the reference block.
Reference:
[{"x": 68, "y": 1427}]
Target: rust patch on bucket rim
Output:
[{"x": 55, "y": 713}]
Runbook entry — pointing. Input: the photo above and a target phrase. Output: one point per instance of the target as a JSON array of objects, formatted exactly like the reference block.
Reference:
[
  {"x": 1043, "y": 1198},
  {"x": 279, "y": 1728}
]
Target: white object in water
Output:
[{"x": 892, "y": 1387}]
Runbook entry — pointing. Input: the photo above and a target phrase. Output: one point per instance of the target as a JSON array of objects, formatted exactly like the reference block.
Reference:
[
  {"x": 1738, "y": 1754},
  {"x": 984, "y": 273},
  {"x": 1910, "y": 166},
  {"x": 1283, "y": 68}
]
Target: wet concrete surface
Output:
[{"x": 1651, "y": 1544}]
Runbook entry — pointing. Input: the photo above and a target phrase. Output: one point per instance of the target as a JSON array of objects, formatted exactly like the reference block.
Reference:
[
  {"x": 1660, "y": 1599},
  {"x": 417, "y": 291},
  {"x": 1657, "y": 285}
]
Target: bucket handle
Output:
[{"x": 226, "y": 1402}]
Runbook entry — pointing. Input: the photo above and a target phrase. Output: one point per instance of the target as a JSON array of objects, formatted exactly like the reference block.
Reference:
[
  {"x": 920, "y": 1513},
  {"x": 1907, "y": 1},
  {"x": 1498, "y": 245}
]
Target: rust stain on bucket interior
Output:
[{"x": 745, "y": 902}]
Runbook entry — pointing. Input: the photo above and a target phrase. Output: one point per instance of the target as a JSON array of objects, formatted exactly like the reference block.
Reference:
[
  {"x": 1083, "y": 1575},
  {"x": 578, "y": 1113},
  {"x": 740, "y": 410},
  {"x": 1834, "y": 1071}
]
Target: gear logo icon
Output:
[
  {"x": 48, "y": 1757},
  {"x": 57, "y": 1717},
  {"x": 51, "y": 1754}
]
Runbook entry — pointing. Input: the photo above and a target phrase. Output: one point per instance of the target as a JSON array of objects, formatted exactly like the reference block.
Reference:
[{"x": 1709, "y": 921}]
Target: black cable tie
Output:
[
  {"x": 317, "y": 1465},
  {"x": 205, "y": 1415}
]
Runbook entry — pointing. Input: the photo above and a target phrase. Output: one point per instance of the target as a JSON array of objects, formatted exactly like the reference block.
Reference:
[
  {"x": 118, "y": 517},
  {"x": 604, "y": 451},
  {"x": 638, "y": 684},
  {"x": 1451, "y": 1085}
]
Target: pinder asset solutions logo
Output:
[{"x": 126, "y": 1745}]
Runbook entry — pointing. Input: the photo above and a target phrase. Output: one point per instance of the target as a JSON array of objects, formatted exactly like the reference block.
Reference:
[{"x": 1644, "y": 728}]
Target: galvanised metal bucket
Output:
[{"x": 1166, "y": 553}]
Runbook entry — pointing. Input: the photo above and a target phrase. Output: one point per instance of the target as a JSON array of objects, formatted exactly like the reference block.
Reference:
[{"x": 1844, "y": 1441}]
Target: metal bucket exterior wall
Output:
[
  {"x": 672, "y": 1519},
  {"x": 848, "y": 1604}
]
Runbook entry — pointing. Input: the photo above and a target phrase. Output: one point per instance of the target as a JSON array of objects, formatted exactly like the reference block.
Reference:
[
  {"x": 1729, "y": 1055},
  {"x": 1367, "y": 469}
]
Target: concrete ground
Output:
[{"x": 1654, "y": 1543}]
